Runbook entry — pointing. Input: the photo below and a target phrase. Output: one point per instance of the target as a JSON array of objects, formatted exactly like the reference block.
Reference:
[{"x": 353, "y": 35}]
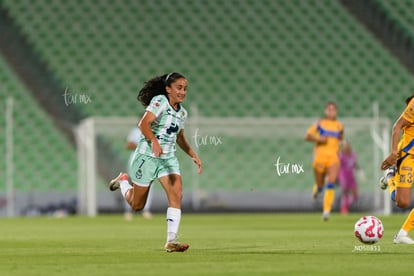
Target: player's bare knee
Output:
[{"x": 137, "y": 206}]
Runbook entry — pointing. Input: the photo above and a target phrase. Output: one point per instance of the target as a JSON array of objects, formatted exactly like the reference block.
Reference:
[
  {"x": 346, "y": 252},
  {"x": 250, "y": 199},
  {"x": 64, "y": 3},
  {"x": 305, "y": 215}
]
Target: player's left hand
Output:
[
  {"x": 199, "y": 164},
  {"x": 391, "y": 160}
]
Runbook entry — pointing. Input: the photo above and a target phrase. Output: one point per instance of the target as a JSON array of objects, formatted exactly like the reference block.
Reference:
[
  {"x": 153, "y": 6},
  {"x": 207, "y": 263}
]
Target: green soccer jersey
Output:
[{"x": 166, "y": 126}]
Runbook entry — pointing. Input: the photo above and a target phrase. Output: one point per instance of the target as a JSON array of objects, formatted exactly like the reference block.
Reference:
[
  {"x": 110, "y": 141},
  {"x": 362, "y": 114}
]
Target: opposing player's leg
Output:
[
  {"x": 403, "y": 200},
  {"x": 392, "y": 188},
  {"x": 403, "y": 181},
  {"x": 329, "y": 195},
  {"x": 319, "y": 174}
]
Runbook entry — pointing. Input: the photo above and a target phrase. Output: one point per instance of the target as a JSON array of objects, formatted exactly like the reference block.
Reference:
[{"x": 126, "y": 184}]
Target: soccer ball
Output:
[{"x": 369, "y": 229}]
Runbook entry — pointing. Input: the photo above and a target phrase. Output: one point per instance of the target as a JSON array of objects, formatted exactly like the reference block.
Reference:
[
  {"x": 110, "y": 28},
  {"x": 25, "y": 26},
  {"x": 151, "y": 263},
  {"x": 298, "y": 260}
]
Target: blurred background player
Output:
[
  {"x": 402, "y": 157},
  {"x": 131, "y": 144},
  {"x": 327, "y": 135},
  {"x": 347, "y": 180},
  {"x": 162, "y": 128}
]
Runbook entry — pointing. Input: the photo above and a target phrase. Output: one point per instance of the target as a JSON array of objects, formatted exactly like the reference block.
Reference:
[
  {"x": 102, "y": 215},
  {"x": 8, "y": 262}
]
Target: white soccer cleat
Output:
[
  {"x": 325, "y": 216},
  {"x": 114, "y": 184},
  {"x": 400, "y": 239}
]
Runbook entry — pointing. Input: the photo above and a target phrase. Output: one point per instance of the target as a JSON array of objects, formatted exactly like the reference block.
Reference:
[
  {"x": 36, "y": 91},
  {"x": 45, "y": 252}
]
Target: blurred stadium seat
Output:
[
  {"x": 44, "y": 160},
  {"x": 401, "y": 11},
  {"x": 243, "y": 58}
]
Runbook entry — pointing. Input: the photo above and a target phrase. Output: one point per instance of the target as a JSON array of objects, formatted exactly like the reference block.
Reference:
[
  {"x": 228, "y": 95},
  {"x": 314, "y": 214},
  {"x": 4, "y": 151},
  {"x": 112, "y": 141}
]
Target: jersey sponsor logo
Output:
[
  {"x": 405, "y": 168},
  {"x": 172, "y": 129}
]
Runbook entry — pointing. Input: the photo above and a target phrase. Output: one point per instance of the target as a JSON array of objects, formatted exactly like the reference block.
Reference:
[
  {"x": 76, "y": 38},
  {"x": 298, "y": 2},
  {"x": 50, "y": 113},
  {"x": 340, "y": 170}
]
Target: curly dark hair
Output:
[
  {"x": 156, "y": 86},
  {"x": 407, "y": 101}
]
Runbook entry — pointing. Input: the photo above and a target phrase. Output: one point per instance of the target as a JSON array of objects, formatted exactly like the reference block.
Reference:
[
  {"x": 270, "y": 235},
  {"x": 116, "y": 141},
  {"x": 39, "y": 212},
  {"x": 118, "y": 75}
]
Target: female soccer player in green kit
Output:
[{"x": 162, "y": 127}]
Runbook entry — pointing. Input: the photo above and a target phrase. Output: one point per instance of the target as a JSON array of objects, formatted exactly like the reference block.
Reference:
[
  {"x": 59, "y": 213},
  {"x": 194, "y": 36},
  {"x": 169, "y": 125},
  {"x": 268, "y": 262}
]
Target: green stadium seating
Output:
[
  {"x": 262, "y": 52},
  {"x": 44, "y": 160},
  {"x": 272, "y": 58},
  {"x": 401, "y": 11}
]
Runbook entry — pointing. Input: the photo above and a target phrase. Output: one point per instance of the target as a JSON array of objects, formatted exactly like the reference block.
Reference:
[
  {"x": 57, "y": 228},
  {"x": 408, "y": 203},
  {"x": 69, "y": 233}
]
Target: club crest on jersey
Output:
[
  {"x": 138, "y": 174},
  {"x": 157, "y": 103}
]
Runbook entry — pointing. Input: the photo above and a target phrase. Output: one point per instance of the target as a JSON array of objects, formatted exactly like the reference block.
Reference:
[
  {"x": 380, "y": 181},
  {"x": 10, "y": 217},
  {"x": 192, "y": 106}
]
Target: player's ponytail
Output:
[{"x": 156, "y": 86}]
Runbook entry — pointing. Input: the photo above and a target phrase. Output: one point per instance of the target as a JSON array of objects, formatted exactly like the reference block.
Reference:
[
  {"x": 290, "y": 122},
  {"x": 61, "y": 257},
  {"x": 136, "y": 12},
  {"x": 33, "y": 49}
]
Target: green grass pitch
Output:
[{"x": 220, "y": 244}]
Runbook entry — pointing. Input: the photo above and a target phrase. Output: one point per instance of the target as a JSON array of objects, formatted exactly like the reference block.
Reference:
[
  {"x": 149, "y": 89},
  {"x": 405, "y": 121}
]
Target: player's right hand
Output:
[
  {"x": 391, "y": 160},
  {"x": 156, "y": 148},
  {"x": 199, "y": 164},
  {"x": 322, "y": 140}
]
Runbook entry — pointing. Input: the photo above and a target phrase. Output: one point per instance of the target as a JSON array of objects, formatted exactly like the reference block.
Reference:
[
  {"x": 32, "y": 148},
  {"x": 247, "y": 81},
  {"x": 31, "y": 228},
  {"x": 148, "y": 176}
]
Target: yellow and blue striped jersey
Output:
[
  {"x": 407, "y": 138},
  {"x": 333, "y": 130}
]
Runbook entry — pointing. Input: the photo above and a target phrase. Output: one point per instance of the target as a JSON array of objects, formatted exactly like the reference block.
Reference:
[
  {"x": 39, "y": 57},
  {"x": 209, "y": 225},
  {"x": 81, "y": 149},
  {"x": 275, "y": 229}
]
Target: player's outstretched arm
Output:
[{"x": 185, "y": 146}]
